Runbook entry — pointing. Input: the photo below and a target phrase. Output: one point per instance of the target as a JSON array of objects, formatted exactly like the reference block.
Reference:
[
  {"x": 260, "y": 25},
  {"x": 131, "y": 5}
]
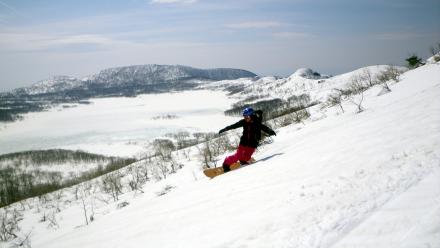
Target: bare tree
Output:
[
  {"x": 200, "y": 137},
  {"x": 53, "y": 223},
  {"x": 205, "y": 151},
  {"x": 164, "y": 149},
  {"x": 224, "y": 144},
  {"x": 144, "y": 171},
  {"x": 435, "y": 50},
  {"x": 391, "y": 73},
  {"x": 84, "y": 192},
  {"x": 301, "y": 115},
  {"x": 368, "y": 77},
  {"x": 186, "y": 152},
  {"x": 111, "y": 184},
  {"x": 181, "y": 138},
  {"x": 23, "y": 241},
  {"x": 163, "y": 168},
  {"x": 335, "y": 99},
  {"x": 357, "y": 96},
  {"x": 136, "y": 179},
  {"x": 9, "y": 224}
]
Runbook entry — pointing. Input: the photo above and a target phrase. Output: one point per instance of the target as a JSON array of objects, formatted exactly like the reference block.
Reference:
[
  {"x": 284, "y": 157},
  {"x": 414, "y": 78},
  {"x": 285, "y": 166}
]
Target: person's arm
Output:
[
  {"x": 267, "y": 130},
  {"x": 233, "y": 126}
]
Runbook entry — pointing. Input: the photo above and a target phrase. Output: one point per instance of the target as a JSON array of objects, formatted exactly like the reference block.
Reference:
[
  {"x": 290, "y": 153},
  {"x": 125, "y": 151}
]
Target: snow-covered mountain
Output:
[
  {"x": 122, "y": 81},
  {"x": 52, "y": 85},
  {"x": 308, "y": 73},
  {"x": 302, "y": 81},
  {"x": 133, "y": 77},
  {"x": 338, "y": 179},
  {"x": 150, "y": 74}
]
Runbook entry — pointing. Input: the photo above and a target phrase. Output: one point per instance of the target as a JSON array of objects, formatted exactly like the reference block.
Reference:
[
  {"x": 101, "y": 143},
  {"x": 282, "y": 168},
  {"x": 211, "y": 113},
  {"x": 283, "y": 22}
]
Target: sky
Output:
[{"x": 44, "y": 38}]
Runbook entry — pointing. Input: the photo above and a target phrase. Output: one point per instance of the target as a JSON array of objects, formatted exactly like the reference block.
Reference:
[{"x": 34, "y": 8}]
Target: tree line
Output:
[{"x": 18, "y": 183}]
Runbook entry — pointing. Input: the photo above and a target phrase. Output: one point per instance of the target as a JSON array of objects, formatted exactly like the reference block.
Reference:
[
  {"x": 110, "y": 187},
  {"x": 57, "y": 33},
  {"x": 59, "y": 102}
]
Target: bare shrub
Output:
[
  {"x": 225, "y": 144},
  {"x": 357, "y": 96},
  {"x": 335, "y": 99},
  {"x": 206, "y": 153},
  {"x": 163, "y": 148},
  {"x": 22, "y": 241},
  {"x": 144, "y": 171},
  {"x": 181, "y": 138},
  {"x": 9, "y": 228},
  {"x": 390, "y": 74},
  {"x": 136, "y": 178},
  {"x": 368, "y": 77},
  {"x": 111, "y": 184},
  {"x": 163, "y": 168},
  {"x": 122, "y": 204},
  {"x": 85, "y": 193},
  {"x": 294, "y": 117},
  {"x": 52, "y": 220},
  {"x": 435, "y": 51},
  {"x": 165, "y": 190},
  {"x": 301, "y": 115}
]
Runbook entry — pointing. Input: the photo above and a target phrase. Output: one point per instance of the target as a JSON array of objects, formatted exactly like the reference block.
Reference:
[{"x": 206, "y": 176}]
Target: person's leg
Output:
[
  {"x": 247, "y": 155},
  {"x": 229, "y": 160}
]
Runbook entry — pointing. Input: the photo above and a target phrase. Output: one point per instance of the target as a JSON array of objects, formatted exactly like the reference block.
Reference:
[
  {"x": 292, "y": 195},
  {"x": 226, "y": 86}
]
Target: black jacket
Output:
[{"x": 251, "y": 131}]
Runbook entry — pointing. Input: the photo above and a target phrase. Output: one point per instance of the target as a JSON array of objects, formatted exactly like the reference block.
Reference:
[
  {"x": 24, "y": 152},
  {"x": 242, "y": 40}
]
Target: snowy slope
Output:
[
  {"x": 303, "y": 81},
  {"x": 346, "y": 180},
  {"x": 52, "y": 85}
]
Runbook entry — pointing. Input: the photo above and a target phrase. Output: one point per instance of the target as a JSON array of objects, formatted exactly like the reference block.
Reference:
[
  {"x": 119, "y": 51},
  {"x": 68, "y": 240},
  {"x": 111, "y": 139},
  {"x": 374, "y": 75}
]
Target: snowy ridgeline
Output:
[
  {"x": 133, "y": 75},
  {"x": 129, "y": 81},
  {"x": 306, "y": 81},
  {"x": 362, "y": 171}
]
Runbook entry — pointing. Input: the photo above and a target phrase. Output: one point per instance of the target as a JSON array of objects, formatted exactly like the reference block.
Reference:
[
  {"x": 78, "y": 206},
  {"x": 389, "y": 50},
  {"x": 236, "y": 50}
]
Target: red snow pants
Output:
[{"x": 243, "y": 153}]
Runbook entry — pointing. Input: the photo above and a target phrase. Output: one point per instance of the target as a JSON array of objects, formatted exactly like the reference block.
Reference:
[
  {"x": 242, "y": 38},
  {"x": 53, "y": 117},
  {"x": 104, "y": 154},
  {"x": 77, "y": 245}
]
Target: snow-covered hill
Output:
[
  {"x": 339, "y": 179},
  {"x": 150, "y": 74},
  {"x": 128, "y": 81},
  {"x": 303, "y": 81},
  {"x": 133, "y": 76},
  {"x": 55, "y": 84}
]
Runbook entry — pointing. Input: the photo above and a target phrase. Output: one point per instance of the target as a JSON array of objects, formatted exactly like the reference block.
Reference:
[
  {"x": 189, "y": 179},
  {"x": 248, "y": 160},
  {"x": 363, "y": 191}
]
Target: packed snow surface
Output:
[{"x": 369, "y": 179}]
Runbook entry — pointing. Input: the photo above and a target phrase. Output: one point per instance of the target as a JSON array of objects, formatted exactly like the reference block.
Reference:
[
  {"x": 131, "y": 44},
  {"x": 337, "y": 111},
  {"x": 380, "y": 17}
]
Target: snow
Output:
[
  {"x": 54, "y": 84},
  {"x": 404, "y": 221},
  {"x": 306, "y": 73},
  {"x": 116, "y": 126},
  {"x": 301, "y": 82},
  {"x": 368, "y": 179}
]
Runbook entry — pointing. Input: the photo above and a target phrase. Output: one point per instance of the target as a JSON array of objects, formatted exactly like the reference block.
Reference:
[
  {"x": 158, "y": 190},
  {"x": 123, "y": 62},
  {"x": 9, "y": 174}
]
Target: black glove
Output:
[
  {"x": 273, "y": 133},
  {"x": 221, "y": 131}
]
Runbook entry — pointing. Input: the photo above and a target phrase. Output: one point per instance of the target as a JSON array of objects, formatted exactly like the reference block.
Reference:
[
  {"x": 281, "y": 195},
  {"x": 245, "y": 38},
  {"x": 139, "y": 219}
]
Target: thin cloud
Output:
[
  {"x": 10, "y": 8},
  {"x": 291, "y": 35},
  {"x": 254, "y": 25},
  {"x": 35, "y": 42},
  {"x": 396, "y": 36},
  {"x": 173, "y": 1},
  {"x": 83, "y": 39}
]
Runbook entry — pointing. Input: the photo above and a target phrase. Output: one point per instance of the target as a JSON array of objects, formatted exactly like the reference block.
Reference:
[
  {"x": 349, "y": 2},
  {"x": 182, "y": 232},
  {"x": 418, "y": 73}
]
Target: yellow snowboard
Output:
[{"x": 213, "y": 172}]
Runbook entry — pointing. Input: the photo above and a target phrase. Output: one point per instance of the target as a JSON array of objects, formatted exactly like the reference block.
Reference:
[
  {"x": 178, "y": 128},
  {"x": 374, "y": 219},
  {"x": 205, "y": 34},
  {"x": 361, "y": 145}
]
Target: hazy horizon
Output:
[{"x": 39, "y": 40}]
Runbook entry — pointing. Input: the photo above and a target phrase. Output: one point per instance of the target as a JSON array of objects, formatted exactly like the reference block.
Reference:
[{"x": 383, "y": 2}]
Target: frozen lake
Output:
[{"x": 117, "y": 126}]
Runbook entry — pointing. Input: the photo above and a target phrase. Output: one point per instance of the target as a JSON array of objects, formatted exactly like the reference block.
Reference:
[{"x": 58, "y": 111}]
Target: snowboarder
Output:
[{"x": 249, "y": 140}]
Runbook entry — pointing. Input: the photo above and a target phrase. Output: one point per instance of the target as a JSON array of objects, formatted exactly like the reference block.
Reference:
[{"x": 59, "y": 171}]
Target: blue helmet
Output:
[{"x": 248, "y": 112}]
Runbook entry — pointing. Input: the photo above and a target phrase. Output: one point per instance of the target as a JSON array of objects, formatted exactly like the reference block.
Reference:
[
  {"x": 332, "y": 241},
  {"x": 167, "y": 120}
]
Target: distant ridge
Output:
[
  {"x": 125, "y": 81},
  {"x": 135, "y": 79}
]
